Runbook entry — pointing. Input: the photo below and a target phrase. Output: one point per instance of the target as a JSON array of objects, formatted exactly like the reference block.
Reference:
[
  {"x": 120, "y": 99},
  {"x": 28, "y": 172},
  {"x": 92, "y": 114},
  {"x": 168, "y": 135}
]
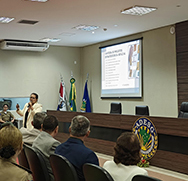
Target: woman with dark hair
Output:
[
  {"x": 10, "y": 147},
  {"x": 127, "y": 155},
  {"x": 29, "y": 110},
  {"x": 5, "y": 115}
]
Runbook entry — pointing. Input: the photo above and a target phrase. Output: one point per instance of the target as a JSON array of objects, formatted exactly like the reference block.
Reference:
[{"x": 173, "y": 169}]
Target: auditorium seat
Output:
[
  {"x": 62, "y": 169},
  {"x": 144, "y": 178},
  {"x": 23, "y": 159},
  {"x": 115, "y": 108},
  {"x": 95, "y": 173},
  {"x": 183, "y": 110},
  {"x": 37, "y": 165},
  {"x": 142, "y": 110}
]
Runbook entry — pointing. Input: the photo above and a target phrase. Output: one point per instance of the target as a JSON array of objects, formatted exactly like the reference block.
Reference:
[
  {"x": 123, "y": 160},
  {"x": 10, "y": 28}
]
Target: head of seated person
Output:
[
  {"x": 50, "y": 125},
  {"x": 5, "y": 107},
  {"x": 38, "y": 120},
  {"x": 10, "y": 141},
  {"x": 127, "y": 149},
  {"x": 80, "y": 127},
  {"x": 126, "y": 156}
]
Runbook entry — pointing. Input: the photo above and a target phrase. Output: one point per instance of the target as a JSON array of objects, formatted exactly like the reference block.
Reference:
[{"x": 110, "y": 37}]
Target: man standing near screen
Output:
[{"x": 29, "y": 110}]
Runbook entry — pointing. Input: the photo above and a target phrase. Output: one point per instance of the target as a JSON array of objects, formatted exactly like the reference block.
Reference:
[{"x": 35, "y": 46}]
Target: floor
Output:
[{"x": 160, "y": 173}]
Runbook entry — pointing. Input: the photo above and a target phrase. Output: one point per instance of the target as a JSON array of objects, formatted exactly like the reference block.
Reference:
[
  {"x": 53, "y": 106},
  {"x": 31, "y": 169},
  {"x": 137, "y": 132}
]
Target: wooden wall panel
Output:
[
  {"x": 182, "y": 37},
  {"x": 182, "y": 61}
]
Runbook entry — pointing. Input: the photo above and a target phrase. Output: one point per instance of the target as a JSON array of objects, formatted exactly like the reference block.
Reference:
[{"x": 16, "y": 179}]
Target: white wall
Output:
[
  {"x": 22, "y": 73},
  {"x": 159, "y": 74}
]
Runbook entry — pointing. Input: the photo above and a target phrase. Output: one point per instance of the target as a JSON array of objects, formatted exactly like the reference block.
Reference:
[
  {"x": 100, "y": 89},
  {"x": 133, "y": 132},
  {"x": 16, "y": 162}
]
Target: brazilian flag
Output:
[{"x": 72, "y": 96}]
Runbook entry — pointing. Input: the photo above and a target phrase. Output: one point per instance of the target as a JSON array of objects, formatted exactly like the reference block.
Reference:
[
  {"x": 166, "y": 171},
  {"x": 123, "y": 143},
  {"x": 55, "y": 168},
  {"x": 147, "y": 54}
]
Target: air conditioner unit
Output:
[{"x": 24, "y": 45}]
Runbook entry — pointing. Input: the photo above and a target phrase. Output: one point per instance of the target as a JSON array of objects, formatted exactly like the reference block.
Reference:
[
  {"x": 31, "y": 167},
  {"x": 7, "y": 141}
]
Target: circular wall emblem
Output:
[{"x": 147, "y": 135}]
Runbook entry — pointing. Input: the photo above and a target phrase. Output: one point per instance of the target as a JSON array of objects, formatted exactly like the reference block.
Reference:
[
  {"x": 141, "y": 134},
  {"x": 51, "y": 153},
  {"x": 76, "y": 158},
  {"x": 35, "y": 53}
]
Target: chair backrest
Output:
[
  {"x": 142, "y": 110},
  {"x": 37, "y": 165},
  {"x": 95, "y": 173},
  {"x": 23, "y": 159},
  {"x": 115, "y": 108},
  {"x": 62, "y": 169},
  {"x": 183, "y": 110},
  {"x": 144, "y": 178}
]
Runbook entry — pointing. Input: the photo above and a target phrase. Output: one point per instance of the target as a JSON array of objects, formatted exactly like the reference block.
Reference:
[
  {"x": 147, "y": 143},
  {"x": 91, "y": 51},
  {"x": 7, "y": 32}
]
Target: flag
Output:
[
  {"x": 62, "y": 105},
  {"x": 72, "y": 96},
  {"x": 85, "y": 101}
]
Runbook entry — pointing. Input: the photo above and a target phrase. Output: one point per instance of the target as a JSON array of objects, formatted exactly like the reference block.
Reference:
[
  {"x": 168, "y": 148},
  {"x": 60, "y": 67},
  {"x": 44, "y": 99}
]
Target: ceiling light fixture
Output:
[
  {"x": 42, "y": 1},
  {"x": 138, "y": 10},
  {"x": 86, "y": 27},
  {"x": 6, "y": 19},
  {"x": 50, "y": 39}
]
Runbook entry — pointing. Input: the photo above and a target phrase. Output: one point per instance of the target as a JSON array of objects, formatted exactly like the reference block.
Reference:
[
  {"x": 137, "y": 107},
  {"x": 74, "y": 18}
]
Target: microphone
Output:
[{"x": 28, "y": 105}]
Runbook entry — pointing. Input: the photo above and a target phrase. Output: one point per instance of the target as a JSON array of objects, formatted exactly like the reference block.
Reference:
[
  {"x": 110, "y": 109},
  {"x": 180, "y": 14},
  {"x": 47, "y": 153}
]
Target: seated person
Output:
[
  {"x": 45, "y": 144},
  {"x": 29, "y": 135},
  {"x": 74, "y": 149},
  {"x": 127, "y": 155},
  {"x": 6, "y": 116},
  {"x": 10, "y": 147}
]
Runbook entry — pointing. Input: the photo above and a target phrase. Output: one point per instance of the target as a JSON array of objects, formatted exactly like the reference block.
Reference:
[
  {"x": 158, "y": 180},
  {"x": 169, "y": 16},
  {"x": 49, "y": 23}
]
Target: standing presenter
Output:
[{"x": 29, "y": 110}]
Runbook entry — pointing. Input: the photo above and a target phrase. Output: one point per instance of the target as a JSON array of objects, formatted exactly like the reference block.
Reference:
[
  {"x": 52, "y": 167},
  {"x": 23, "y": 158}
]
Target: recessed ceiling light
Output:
[
  {"x": 42, "y": 1},
  {"x": 6, "y": 19},
  {"x": 138, "y": 10},
  {"x": 86, "y": 27},
  {"x": 115, "y": 25},
  {"x": 50, "y": 39}
]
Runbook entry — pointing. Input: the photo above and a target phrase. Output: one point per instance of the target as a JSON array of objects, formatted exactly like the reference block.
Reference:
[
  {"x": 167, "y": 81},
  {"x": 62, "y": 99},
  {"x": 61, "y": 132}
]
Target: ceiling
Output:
[{"x": 58, "y": 17}]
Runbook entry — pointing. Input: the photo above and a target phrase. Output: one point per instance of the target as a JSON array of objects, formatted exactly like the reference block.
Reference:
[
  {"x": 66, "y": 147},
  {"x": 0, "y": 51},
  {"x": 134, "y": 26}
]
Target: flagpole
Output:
[
  {"x": 72, "y": 74},
  {"x": 87, "y": 77}
]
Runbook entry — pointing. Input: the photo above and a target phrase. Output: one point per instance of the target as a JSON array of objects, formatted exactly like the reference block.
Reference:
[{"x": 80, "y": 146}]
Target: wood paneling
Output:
[
  {"x": 168, "y": 126},
  {"x": 172, "y": 161},
  {"x": 182, "y": 37},
  {"x": 182, "y": 61},
  {"x": 164, "y": 125}
]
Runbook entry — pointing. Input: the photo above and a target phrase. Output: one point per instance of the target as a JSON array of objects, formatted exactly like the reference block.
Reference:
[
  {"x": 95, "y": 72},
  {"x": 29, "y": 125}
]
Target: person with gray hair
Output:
[
  {"x": 74, "y": 149},
  {"x": 30, "y": 135}
]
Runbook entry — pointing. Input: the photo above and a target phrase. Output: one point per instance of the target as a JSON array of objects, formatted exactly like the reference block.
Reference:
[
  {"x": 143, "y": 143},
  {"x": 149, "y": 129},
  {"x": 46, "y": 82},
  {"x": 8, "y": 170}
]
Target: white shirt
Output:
[{"x": 120, "y": 172}]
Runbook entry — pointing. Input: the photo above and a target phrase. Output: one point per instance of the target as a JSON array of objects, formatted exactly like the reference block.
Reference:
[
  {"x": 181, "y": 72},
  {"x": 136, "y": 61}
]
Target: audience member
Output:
[
  {"x": 127, "y": 155},
  {"x": 10, "y": 147},
  {"x": 6, "y": 116},
  {"x": 30, "y": 135},
  {"x": 74, "y": 149},
  {"x": 45, "y": 144},
  {"x": 29, "y": 110}
]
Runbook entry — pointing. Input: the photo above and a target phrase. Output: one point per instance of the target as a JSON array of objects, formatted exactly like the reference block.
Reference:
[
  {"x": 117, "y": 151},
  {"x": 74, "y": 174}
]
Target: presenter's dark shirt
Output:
[
  {"x": 26, "y": 116},
  {"x": 77, "y": 154}
]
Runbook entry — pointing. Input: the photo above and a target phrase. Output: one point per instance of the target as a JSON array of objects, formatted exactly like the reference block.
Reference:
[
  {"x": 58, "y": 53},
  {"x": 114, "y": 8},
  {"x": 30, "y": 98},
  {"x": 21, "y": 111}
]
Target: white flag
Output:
[{"x": 62, "y": 105}]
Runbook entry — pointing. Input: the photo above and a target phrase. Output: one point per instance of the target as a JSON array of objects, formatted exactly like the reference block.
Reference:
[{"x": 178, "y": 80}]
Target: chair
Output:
[
  {"x": 115, "y": 108},
  {"x": 183, "y": 110},
  {"x": 62, "y": 168},
  {"x": 23, "y": 159},
  {"x": 37, "y": 165},
  {"x": 144, "y": 178},
  {"x": 95, "y": 173},
  {"x": 142, "y": 110}
]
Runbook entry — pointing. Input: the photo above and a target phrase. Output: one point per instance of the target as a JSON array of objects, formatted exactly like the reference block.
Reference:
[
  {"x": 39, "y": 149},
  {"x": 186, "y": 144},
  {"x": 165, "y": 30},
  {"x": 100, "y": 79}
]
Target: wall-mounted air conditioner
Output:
[{"x": 24, "y": 45}]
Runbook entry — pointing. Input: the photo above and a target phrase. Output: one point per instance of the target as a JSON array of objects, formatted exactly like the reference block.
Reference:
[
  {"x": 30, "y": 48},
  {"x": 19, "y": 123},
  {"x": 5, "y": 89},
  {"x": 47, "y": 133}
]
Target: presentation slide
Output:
[{"x": 121, "y": 70}]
